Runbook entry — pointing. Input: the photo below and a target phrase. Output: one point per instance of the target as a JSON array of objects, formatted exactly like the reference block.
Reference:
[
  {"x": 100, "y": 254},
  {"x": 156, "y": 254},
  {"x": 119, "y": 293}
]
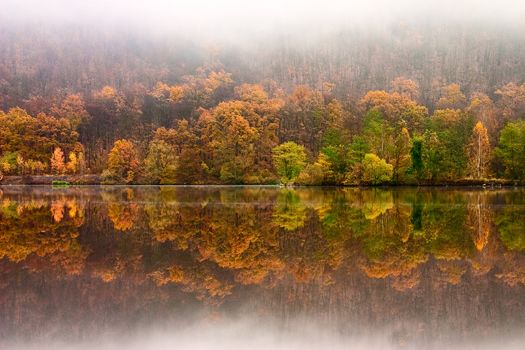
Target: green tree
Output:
[
  {"x": 448, "y": 134},
  {"x": 289, "y": 159},
  {"x": 333, "y": 161},
  {"x": 161, "y": 162},
  {"x": 511, "y": 149},
  {"x": 378, "y": 133},
  {"x": 432, "y": 155},
  {"x": 376, "y": 170},
  {"x": 356, "y": 152},
  {"x": 416, "y": 155}
]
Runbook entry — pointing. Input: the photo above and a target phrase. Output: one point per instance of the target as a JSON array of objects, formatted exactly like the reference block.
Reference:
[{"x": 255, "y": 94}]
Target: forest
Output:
[{"x": 396, "y": 106}]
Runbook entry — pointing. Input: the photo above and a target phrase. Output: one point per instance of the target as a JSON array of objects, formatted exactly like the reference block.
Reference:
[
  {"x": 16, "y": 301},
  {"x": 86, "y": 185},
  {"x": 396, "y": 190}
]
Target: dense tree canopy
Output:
[{"x": 210, "y": 125}]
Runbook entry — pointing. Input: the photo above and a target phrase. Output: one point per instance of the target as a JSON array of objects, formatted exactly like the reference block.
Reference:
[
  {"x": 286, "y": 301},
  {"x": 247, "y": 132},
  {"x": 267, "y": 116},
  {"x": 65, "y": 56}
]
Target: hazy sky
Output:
[
  {"x": 226, "y": 17},
  {"x": 246, "y": 11}
]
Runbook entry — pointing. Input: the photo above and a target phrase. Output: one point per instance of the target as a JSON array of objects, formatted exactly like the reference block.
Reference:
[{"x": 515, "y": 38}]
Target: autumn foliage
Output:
[{"x": 208, "y": 128}]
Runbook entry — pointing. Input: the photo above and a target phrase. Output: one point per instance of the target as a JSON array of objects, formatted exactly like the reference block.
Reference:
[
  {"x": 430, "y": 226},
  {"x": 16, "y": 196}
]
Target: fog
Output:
[
  {"x": 256, "y": 335},
  {"x": 237, "y": 18}
]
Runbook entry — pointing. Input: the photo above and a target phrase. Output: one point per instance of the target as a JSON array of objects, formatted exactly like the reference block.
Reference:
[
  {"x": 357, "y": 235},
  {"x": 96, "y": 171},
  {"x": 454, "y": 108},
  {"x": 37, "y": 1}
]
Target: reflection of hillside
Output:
[
  {"x": 312, "y": 249},
  {"x": 42, "y": 229}
]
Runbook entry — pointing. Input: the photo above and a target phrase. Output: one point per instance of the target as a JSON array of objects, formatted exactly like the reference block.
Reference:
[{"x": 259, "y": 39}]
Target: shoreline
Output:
[{"x": 96, "y": 180}]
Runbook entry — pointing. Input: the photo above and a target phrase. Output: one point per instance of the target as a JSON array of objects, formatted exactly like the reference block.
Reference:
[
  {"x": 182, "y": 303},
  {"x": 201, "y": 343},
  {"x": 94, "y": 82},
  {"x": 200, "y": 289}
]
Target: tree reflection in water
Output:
[{"x": 422, "y": 266}]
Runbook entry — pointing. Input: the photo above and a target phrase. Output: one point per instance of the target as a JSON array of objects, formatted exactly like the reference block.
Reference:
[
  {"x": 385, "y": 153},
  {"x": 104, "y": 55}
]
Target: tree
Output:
[
  {"x": 479, "y": 152},
  {"x": 73, "y": 109},
  {"x": 376, "y": 170},
  {"x": 81, "y": 160},
  {"x": 401, "y": 153},
  {"x": 8, "y": 164},
  {"x": 356, "y": 152},
  {"x": 326, "y": 168},
  {"x": 483, "y": 109},
  {"x": 72, "y": 165},
  {"x": 123, "y": 162},
  {"x": 395, "y": 108},
  {"x": 432, "y": 156},
  {"x": 405, "y": 87},
  {"x": 289, "y": 159},
  {"x": 161, "y": 162},
  {"x": 57, "y": 161},
  {"x": 35, "y": 138},
  {"x": 230, "y": 139},
  {"x": 452, "y": 97},
  {"x": 378, "y": 132},
  {"x": 304, "y": 118},
  {"x": 451, "y": 130},
  {"x": 189, "y": 151},
  {"x": 511, "y": 149},
  {"x": 511, "y": 101},
  {"x": 333, "y": 162},
  {"x": 416, "y": 155}
]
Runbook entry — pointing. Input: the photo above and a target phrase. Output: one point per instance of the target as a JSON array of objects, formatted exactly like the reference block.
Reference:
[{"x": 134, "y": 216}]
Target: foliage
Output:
[
  {"x": 209, "y": 129},
  {"x": 376, "y": 170},
  {"x": 123, "y": 162},
  {"x": 32, "y": 140},
  {"x": 160, "y": 164},
  {"x": 416, "y": 156},
  {"x": 60, "y": 183},
  {"x": 57, "y": 161},
  {"x": 512, "y": 229},
  {"x": 511, "y": 149},
  {"x": 479, "y": 151},
  {"x": 289, "y": 159}
]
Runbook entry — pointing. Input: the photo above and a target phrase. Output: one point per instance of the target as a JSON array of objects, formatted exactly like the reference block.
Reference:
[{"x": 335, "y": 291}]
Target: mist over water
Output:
[
  {"x": 252, "y": 334},
  {"x": 235, "y": 335}
]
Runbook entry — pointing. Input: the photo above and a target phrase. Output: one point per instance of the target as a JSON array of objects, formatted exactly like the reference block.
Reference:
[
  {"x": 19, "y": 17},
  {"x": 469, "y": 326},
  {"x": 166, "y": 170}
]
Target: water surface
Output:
[{"x": 261, "y": 268}]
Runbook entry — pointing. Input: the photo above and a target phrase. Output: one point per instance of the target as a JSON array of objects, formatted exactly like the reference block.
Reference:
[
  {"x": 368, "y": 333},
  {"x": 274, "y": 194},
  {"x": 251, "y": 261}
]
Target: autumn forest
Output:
[{"x": 395, "y": 106}]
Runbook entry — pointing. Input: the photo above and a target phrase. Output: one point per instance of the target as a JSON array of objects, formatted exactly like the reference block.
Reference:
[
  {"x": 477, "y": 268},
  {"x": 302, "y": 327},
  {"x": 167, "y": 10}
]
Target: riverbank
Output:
[
  {"x": 49, "y": 179},
  {"x": 93, "y": 179}
]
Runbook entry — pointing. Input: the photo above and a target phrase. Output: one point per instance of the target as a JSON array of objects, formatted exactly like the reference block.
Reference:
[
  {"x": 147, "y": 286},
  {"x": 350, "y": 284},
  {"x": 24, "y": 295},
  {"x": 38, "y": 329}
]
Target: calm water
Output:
[{"x": 261, "y": 268}]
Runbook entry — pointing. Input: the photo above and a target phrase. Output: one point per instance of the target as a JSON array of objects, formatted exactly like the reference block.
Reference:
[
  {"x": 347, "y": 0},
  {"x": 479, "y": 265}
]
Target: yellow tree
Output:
[
  {"x": 231, "y": 139},
  {"x": 479, "y": 151},
  {"x": 483, "y": 109},
  {"x": 376, "y": 170},
  {"x": 452, "y": 97},
  {"x": 511, "y": 102},
  {"x": 57, "y": 161},
  {"x": 73, "y": 109},
  {"x": 395, "y": 107},
  {"x": 405, "y": 87},
  {"x": 123, "y": 162},
  {"x": 72, "y": 165}
]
